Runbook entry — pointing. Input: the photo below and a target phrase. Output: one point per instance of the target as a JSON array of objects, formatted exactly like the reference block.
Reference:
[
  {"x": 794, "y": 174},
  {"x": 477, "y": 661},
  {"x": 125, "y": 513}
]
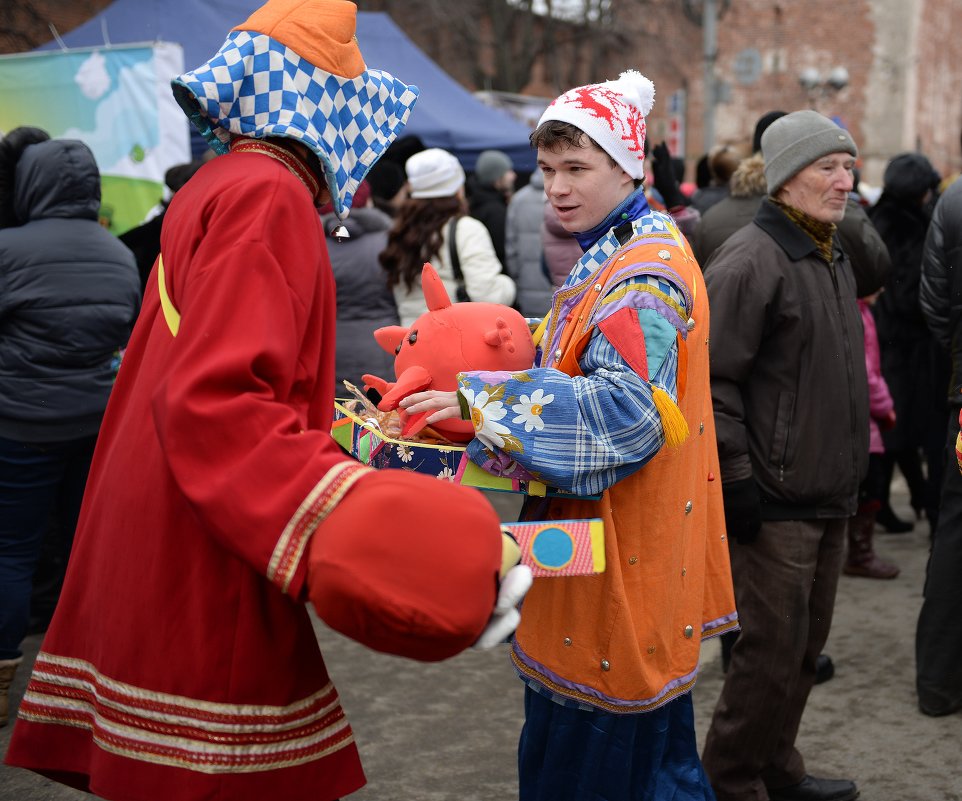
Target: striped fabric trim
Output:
[
  {"x": 718, "y": 627},
  {"x": 670, "y": 692},
  {"x": 177, "y": 731},
  {"x": 316, "y": 506}
]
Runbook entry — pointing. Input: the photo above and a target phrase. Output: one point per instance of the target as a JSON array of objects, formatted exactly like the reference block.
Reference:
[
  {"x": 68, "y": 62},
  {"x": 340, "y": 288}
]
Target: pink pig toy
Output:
[{"x": 447, "y": 339}]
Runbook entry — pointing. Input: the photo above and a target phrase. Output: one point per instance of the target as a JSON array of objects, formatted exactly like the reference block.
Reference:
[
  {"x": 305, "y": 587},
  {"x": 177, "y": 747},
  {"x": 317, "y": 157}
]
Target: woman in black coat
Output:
[{"x": 915, "y": 368}]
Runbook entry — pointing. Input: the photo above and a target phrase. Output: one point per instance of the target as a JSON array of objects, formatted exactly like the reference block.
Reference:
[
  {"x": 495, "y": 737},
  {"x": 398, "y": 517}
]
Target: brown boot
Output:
[
  {"x": 8, "y": 667},
  {"x": 862, "y": 559}
]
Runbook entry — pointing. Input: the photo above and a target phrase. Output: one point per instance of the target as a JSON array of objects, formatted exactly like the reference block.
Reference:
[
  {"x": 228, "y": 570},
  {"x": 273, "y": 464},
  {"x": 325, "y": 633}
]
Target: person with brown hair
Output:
[
  {"x": 432, "y": 226},
  {"x": 723, "y": 160},
  {"x": 617, "y": 406}
]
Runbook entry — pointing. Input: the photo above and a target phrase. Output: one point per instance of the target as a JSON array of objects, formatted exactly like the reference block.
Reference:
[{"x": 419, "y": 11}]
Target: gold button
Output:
[
  {"x": 688, "y": 632},
  {"x": 605, "y": 665},
  {"x": 632, "y": 560},
  {"x": 597, "y": 287},
  {"x": 664, "y": 254},
  {"x": 691, "y": 324},
  {"x": 567, "y": 641},
  {"x": 688, "y": 508},
  {"x": 723, "y": 536},
  {"x": 684, "y": 571},
  {"x": 651, "y": 649},
  {"x": 701, "y": 428}
]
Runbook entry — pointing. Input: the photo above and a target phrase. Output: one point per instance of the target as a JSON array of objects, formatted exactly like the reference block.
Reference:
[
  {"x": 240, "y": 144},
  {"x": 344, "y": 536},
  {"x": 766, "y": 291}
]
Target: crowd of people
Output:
[{"x": 728, "y": 374}]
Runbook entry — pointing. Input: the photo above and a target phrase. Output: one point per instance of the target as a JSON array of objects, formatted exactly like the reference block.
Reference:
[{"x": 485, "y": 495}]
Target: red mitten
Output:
[{"x": 407, "y": 564}]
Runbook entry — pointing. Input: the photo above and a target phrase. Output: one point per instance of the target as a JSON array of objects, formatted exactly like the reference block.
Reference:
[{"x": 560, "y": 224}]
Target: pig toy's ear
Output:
[
  {"x": 500, "y": 336},
  {"x": 390, "y": 337},
  {"x": 435, "y": 295}
]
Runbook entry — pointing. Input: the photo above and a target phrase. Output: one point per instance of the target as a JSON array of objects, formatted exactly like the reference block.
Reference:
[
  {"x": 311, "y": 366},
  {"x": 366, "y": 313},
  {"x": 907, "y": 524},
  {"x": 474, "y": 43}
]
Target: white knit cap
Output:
[
  {"x": 434, "y": 173},
  {"x": 613, "y": 114}
]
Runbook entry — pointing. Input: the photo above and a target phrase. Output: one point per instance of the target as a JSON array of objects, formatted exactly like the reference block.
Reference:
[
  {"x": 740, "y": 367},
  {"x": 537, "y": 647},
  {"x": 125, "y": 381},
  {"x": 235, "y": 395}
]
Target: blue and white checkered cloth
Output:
[
  {"x": 654, "y": 224},
  {"x": 257, "y": 87}
]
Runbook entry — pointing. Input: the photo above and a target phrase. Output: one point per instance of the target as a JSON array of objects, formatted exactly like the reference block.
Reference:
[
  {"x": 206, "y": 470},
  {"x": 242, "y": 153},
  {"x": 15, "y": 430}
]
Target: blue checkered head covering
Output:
[{"x": 294, "y": 69}]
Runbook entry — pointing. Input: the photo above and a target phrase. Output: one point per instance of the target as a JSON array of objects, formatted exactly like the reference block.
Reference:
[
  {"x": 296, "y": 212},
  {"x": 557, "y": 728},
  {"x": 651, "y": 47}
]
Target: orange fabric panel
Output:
[
  {"x": 633, "y": 632},
  {"x": 321, "y": 31}
]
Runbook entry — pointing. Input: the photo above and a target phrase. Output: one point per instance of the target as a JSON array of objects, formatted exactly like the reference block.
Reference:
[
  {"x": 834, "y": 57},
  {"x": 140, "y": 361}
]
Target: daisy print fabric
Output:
[{"x": 581, "y": 434}]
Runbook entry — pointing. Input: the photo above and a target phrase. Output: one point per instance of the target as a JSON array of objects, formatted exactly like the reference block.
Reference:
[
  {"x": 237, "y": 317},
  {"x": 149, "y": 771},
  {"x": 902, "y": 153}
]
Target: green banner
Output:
[{"x": 115, "y": 99}]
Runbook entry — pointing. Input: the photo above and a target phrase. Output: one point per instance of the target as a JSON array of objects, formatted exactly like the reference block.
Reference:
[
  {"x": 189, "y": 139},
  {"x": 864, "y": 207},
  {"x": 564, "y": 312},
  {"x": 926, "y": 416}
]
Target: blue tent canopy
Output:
[{"x": 446, "y": 114}]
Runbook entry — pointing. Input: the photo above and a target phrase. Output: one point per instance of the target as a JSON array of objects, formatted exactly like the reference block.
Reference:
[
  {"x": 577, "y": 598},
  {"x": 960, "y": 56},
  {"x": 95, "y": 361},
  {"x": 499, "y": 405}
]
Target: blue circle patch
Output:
[{"x": 552, "y": 548}]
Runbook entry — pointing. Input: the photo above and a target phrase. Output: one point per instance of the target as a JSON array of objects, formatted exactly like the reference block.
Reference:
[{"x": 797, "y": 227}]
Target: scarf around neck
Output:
[
  {"x": 821, "y": 233},
  {"x": 631, "y": 208}
]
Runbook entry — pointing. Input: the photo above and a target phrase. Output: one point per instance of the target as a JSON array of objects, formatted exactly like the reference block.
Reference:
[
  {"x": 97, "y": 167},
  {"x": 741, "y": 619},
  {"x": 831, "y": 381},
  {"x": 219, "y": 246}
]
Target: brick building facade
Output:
[
  {"x": 904, "y": 90},
  {"x": 902, "y": 58}
]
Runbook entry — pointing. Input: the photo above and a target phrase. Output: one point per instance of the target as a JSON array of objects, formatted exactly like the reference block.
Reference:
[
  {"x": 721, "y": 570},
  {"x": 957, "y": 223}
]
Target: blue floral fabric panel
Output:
[{"x": 582, "y": 433}]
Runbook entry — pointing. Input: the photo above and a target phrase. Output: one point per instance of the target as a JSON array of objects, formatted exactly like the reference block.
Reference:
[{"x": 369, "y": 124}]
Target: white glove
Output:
[{"x": 505, "y": 617}]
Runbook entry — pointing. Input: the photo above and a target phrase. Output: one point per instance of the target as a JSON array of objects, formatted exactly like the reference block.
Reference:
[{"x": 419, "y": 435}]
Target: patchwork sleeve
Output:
[{"x": 581, "y": 433}]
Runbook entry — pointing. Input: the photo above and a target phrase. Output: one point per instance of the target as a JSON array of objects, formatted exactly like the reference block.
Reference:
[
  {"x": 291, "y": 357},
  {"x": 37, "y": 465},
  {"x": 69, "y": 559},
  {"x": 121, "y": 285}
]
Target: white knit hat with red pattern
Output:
[{"x": 613, "y": 114}]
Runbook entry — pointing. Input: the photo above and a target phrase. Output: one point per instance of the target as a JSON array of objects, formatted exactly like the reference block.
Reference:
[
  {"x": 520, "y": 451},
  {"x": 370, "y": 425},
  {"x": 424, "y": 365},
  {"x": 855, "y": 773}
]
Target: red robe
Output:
[{"x": 181, "y": 662}]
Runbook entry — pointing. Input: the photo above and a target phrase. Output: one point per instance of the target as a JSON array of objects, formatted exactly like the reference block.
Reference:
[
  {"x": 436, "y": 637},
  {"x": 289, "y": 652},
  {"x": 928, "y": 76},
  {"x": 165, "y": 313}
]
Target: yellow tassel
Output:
[{"x": 672, "y": 420}]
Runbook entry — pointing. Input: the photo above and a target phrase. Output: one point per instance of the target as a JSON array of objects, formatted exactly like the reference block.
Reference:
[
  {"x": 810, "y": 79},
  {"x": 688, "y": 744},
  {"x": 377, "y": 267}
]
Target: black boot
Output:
[{"x": 893, "y": 525}]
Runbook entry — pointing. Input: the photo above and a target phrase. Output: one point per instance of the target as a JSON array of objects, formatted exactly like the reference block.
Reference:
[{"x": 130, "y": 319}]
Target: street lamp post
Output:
[
  {"x": 707, "y": 13},
  {"x": 821, "y": 87}
]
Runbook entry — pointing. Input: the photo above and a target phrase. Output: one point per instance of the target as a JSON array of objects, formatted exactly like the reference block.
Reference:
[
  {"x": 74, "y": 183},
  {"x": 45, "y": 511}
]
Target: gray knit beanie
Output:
[
  {"x": 491, "y": 165},
  {"x": 796, "y": 140}
]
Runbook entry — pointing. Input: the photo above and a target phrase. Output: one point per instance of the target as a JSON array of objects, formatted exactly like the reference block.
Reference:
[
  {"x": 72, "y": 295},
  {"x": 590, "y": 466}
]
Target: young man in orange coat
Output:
[
  {"x": 181, "y": 662},
  {"x": 617, "y": 405}
]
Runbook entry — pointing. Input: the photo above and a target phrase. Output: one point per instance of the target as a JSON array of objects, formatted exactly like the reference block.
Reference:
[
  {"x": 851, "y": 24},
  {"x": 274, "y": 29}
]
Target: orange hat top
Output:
[
  {"x": 321, "y": 31},
  {"x": 294, "y": 69}
]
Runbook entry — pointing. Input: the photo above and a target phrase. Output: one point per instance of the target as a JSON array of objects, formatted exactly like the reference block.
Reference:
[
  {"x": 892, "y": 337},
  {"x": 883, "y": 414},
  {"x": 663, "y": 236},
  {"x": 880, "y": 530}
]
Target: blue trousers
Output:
[
  {"x": 34, "y": 479},
  {"x": 571, "y": 754}
]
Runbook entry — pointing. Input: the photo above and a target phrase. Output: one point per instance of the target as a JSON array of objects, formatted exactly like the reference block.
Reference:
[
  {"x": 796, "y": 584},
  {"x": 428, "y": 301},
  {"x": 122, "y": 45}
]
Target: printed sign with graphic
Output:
[{"x": 115, "y": 99}]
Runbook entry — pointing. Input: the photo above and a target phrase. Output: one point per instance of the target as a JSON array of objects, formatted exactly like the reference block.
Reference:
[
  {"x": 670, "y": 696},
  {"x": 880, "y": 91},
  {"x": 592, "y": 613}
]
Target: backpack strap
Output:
[{"x": 462, "y": 293}]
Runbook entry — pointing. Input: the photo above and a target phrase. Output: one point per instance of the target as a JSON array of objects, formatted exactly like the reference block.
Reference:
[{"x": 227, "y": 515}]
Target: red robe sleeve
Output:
[{"x": 241, "y": 410}]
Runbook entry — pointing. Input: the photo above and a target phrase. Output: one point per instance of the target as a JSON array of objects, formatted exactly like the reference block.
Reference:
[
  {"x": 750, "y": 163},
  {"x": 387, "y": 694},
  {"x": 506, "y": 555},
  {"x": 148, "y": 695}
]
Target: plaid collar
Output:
[
  {"x": 257, "y": 87},
  {"x": 653, "y": 223}
]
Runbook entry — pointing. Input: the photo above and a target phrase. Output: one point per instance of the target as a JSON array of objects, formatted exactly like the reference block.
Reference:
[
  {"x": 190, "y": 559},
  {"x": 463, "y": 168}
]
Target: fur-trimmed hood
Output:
[{"x": 749, "y": 179}]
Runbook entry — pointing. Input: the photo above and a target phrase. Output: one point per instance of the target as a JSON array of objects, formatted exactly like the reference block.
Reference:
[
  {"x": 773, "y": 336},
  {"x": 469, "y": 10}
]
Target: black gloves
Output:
[
  {"x": 664, "y": 174},
  {"x": 743, "y": 515}
]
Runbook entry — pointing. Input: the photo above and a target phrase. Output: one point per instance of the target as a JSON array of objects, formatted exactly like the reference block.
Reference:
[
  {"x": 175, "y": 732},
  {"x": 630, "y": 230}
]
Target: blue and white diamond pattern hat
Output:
[{"x": 280, "y": 74}]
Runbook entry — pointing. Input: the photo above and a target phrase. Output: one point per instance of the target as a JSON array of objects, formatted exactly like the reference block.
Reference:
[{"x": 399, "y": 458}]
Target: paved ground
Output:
[{"x": 448, "y": 731}]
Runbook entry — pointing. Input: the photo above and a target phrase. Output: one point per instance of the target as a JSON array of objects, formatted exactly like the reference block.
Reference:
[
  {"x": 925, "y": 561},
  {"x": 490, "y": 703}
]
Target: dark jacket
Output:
[
  {"x": 747, "y": 188},
  {"x": 788, "y": 375},
  {"x": 914, "y": 366},
  {"x": 487, "y": 204},
  {"x": 364, "y": 301},
  {"x": 865, "y": 249},
  {"x": 144, "y": 243},
  {"x": 69, "y": 294},
  {"x": 940, "y": 293}
]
